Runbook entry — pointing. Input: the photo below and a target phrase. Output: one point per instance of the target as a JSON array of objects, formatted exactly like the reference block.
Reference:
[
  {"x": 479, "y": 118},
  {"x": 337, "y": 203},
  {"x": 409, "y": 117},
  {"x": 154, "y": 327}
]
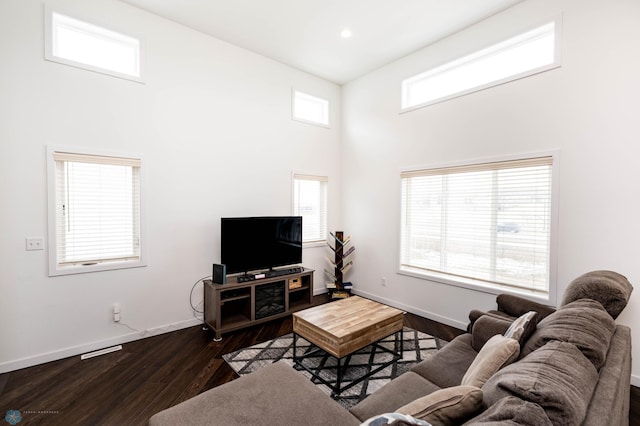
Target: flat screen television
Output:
[{"x": 256, "y": 243}]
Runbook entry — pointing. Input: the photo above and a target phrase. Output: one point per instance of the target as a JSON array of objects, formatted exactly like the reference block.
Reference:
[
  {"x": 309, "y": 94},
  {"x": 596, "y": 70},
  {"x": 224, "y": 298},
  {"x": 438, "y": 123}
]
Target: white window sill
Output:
[
  {"x": 477, "y": 285},
  {"x": 311, "y": 244},
  {"x": 55, "y": 270}
]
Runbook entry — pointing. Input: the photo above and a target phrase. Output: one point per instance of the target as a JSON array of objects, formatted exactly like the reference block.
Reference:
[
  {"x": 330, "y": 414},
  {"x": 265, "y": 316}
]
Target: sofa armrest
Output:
[
  {"x": 516, "y": 306},
  {"x": 610, "y": 400}
]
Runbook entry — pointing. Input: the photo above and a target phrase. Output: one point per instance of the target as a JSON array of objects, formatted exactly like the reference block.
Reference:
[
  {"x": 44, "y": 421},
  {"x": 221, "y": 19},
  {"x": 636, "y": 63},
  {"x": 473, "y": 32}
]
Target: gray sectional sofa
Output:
[{"x": 569, "y": 366}]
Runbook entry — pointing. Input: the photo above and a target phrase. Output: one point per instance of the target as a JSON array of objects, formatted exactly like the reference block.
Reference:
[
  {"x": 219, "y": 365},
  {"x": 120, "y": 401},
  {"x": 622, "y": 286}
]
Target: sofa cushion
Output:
[
  {"x": 447, "y": 366},
  {"x": 558, "y": 377},
  {"x": 609, "y": 288},
  {"x": 449, "y": 406},
  {"x": 395, "y": 419},
  {"x": 485, "y": 327},
  {"x": 498, "y": 352},
  {"x": 398, "y": 392},
  {"x": 512, "y": 411},
  {"x": 523, "y": 327},
  {"x": 584, "y": 323}
]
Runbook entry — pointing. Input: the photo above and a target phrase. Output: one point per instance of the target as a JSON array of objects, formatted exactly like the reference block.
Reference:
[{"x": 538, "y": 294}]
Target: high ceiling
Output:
[{"x": 305, "y": 34}]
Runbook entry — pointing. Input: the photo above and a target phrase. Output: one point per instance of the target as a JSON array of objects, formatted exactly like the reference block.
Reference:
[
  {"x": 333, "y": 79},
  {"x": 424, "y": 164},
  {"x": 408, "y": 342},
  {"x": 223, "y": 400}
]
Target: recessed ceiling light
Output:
[{"x": 346, "y": 33}]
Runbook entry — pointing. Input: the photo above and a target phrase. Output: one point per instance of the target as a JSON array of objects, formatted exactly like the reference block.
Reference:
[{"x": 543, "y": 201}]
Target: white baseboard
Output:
[
  {"x": 5, "y": 367},
  {"x": 412, "y": 309},
  {"x": 635, "y": 381}
]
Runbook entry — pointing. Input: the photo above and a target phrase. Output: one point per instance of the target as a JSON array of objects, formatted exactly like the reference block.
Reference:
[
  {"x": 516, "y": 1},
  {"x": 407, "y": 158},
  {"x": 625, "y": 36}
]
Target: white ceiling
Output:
[{"x": 305, "y": 34}]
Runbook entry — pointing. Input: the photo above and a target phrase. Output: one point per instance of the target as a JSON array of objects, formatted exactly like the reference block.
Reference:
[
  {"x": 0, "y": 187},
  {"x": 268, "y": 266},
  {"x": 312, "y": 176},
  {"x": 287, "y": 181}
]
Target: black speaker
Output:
[{"x": 219, "y": 275}]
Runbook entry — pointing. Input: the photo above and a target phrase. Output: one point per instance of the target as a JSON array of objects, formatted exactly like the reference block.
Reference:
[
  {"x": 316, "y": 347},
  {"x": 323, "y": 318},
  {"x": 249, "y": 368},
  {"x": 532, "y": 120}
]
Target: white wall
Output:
[
  {"x": 213, "y": 123},
  {"x": 588, "y": 109}
]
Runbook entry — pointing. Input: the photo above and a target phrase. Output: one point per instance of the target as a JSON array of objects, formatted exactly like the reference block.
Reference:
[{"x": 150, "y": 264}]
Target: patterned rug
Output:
[{"x": 417, "y": 346}]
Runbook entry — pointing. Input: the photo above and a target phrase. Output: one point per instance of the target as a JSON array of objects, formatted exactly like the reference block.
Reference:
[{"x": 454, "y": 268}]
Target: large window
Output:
[
  {"x": 94, "y": 212},
  {"x": 74, "y": 42},
  {"x": 486, "y": 224},
  {"x": 310, "y": 109},
  {"x": 520, "y": 56},
  {"x": 310, "y": 202}
]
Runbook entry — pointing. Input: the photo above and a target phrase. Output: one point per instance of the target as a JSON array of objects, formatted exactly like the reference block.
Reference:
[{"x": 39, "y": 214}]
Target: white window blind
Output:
[
  {"x": 484, "y": 222},
  {"x": 310, "y": 202},
  {"x": 97, "y": 209}
]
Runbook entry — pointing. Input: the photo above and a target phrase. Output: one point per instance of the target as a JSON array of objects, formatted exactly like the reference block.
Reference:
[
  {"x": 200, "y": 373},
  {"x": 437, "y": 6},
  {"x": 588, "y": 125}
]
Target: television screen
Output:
[{"x": 254, "y": 243}]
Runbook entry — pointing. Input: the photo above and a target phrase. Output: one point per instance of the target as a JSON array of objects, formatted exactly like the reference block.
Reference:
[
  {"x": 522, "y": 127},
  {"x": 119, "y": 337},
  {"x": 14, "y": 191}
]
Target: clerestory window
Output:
[
  {"x": 81, "y": 44},
  {"x": 526, "y": 54}
]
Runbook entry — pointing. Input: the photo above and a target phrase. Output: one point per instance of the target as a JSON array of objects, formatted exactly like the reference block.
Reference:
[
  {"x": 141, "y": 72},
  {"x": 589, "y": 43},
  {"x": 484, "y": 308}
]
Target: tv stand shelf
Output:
[{"x": 236, "y": 305}]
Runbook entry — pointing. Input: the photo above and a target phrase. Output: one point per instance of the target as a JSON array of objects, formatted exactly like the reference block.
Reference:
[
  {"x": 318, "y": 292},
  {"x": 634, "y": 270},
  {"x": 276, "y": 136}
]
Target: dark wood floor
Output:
[{"x": 147, "y": 376}]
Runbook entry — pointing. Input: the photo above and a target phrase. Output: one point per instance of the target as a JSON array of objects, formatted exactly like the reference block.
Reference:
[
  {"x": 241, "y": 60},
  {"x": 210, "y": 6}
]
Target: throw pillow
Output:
[
  {"x": 498, "y": 352},
  {"x": 558, "y": 377},
  {"x": 609, "y": 288},
  {"x": 485, "y": 328},
  {"x": 583, "y": 323},
  {"x": 523, "y": 327},
  {"x": 448, "y": 406},
  {"x": 395, "y": 419}
]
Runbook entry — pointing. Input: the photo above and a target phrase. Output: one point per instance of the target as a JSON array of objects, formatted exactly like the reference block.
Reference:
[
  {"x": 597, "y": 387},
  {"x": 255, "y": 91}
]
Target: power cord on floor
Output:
[
  {"x": 194, "y": 309},
  {"x": 131, "y": 328},
  {"x": 145, "y": 333}
]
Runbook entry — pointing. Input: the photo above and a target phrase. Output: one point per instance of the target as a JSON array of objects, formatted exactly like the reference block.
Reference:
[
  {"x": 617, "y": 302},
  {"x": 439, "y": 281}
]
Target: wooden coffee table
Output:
[{"x": 343, "y": 327}]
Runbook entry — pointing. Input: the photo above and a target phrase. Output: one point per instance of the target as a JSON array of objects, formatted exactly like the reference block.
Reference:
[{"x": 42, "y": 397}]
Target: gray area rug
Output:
[{"x": 417, "y": 346}]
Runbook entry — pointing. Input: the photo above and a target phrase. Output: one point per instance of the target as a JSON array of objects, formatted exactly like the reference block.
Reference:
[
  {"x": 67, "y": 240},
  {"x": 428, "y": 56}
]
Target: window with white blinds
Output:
[
  {"x": 310, "y": 202},
  {"x": 96, "y": 216},
  {"x": 488, "y": 224}
]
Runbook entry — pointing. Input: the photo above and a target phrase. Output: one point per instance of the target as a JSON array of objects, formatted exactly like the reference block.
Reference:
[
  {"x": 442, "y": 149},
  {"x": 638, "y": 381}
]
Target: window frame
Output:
[
  {"x": 55, "y": 268},
  {"x": 481, "y": 285},
  {"x": 49, "y": 40},
  {"x": 480, "y": 54},
  {"x": 326, "y": 104},
  {"x": 323, "y": 179}
]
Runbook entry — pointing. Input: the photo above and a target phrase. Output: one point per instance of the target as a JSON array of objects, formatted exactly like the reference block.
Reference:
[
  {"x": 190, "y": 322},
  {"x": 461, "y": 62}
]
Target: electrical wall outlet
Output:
[
  {"x": 34, "y": 243},
  {"x": 116, "y": 313},
  {"x": 383, "y": 281}
]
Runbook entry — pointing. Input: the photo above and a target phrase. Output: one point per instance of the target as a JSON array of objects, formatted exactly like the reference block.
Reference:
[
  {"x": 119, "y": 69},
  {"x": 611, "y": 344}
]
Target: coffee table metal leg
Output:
[
  {"x": 337, "y": 388},
  {"x": 295, "y": 337},
  {"x": 399, "y": 348},
  {"x": 338, "y": 377}
]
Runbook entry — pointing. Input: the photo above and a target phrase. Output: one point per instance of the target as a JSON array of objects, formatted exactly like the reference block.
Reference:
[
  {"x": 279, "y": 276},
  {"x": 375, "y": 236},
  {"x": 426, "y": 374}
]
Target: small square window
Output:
[{"x": 310, "y": 109}]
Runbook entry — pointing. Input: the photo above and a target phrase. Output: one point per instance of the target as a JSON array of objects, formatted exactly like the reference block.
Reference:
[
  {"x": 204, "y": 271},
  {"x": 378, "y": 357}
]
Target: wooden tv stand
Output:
[{"x": 234, "y": 305}]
